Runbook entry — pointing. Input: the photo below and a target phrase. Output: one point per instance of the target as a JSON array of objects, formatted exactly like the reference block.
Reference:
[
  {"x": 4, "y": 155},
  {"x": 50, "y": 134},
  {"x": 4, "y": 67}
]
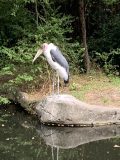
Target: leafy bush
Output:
[
  {"x": 109, "y": 61},
  {"x": 4, "y": 100},
  {"x": 107, "y": 37}
]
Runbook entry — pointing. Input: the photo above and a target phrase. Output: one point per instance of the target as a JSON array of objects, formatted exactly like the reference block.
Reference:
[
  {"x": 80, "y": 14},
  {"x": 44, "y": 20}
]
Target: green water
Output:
[{"x": 21, "y": 138}]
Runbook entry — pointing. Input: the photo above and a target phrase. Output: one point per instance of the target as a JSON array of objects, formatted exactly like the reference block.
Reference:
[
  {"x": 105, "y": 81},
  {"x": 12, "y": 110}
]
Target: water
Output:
[{"x": 23, "y": 138}]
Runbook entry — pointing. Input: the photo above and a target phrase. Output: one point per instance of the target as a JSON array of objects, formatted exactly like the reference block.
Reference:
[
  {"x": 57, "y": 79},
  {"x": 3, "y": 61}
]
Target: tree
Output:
[
  {"x": 83, "y": 29},
  {"x": 36, "y": 10}
]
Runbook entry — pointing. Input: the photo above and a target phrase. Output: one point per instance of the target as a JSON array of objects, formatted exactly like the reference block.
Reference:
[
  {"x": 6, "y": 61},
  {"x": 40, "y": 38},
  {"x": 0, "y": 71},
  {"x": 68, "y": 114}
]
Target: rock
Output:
[{"x": 66, "y": 110}]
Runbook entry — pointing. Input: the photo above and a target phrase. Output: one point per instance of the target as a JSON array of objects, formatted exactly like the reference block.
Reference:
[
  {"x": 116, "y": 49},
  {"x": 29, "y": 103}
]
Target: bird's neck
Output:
[
  {"x": 47, "y": 53},
  {"x": 47, "y": 50}
]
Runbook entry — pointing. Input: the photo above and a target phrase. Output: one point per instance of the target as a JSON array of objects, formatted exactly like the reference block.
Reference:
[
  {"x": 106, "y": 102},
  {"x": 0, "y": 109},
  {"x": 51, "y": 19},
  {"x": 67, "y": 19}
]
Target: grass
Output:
[
  {"x": 115, "y": 81},
  {"x": 96, "y": 88}
]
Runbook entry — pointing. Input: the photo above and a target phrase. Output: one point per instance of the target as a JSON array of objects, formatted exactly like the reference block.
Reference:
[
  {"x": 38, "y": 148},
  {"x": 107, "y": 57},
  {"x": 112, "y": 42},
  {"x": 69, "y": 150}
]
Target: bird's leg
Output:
[
  {"x": 57, "y": 153},
  {"x": 54, "y": 82},
  {"x": 53, "y": 85},
  {"x": 58, "y": 83}
]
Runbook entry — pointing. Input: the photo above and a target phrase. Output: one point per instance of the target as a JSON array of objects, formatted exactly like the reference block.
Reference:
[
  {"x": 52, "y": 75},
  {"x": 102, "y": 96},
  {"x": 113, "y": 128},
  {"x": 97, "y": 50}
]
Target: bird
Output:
[{"x": 56, "y": 60}]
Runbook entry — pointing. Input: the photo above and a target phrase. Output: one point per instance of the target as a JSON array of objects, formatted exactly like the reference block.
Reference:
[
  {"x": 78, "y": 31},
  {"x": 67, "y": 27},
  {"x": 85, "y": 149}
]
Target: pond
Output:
[{"x": 22, "y": 137}]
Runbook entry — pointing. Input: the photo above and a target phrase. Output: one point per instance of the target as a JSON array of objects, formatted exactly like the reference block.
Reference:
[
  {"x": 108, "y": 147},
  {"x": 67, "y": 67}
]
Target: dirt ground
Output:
[{"x": 96, "y": 89}]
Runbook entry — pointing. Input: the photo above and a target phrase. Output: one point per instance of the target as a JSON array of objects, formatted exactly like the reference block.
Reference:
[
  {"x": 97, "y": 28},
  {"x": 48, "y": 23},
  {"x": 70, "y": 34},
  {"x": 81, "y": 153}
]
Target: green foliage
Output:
[
  {"x": 109, "y": 2},
  {"x": 107, "y": 37},
  {"x": 115, "y": 80},
  {"x": 107, "y": 61},
  {"x": 6, "y": 71},
  {"x": 22, "y": 79},
  {"x": 54, "y": 30},
  {"x": 105, "y": 34},
  {"x": 15, "y": 21},
  {"x": 4, "y": 100},
  {"x": 73, "y": 87}
]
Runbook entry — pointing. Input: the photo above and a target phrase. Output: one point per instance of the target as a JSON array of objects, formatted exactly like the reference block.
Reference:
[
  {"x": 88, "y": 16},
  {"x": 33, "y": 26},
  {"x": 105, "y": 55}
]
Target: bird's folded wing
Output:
[{"x": 59, "y": 58}]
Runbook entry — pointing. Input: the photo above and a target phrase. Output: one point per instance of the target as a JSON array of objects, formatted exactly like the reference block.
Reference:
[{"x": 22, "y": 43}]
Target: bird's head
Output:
[
  {"x": 41, "y": 50},
  {"x": 44, "y": 46}
]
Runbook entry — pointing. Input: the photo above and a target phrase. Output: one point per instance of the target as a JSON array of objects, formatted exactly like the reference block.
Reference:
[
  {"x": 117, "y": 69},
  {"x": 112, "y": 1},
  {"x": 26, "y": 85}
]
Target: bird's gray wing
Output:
[{"x": 59, "y": 58}]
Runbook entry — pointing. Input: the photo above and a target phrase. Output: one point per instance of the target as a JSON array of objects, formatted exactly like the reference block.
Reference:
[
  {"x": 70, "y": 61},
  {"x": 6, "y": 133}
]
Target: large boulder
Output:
[{"x": 66, "y": 110}]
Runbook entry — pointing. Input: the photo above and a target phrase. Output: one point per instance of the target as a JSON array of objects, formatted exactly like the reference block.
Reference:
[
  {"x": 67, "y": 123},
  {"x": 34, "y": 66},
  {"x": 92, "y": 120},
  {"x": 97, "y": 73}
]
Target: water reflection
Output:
[
  {"x": 72, "y": 137},
  {"x": 23, "y": 138}
]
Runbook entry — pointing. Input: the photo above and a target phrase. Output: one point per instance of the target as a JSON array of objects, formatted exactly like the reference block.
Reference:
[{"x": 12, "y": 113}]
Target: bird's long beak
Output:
[{"x": 39, "y": 52}]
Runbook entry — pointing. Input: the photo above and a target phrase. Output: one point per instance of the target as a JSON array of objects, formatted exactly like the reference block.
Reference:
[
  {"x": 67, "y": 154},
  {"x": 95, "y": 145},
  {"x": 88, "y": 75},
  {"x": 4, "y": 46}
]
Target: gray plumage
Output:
[{"x": 59, "y": 58}]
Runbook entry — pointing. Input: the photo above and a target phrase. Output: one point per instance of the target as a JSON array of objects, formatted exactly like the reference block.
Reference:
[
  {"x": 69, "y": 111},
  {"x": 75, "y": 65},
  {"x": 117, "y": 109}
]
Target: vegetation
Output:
[
  {"x": 98, "y": 90},
  {"x": 26, "y": 24}
]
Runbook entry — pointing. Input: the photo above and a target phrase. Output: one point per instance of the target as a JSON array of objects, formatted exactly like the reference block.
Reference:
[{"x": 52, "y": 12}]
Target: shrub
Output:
[{"x": 109, "y": 61}]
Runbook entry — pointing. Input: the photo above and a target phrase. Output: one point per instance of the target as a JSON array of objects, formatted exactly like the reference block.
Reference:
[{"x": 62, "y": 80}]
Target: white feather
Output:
[{"x": 60, "y": 70}]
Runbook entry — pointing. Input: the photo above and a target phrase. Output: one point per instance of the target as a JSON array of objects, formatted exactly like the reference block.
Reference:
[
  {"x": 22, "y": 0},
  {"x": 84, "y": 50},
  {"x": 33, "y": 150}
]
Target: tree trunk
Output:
[
  {"x": 36, "y": 10},
  {"x": 83, "y": 29}
]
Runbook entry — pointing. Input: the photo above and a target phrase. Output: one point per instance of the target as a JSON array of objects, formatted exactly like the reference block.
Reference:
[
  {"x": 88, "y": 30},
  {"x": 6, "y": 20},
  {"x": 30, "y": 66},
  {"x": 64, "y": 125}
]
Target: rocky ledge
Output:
[{"x": 66, "y": 110}]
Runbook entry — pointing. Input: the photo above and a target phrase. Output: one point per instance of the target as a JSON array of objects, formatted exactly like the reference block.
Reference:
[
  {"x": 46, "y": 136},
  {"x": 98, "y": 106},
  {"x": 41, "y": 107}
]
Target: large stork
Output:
[{"x": 56, "y": 60}]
